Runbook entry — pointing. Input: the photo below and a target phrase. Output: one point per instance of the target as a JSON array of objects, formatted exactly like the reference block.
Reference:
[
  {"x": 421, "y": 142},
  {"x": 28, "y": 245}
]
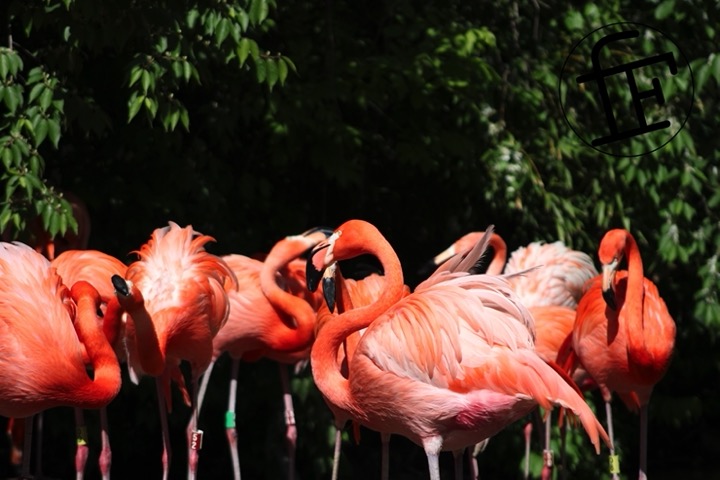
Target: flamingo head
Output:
[{"x": 611, "y": 252}]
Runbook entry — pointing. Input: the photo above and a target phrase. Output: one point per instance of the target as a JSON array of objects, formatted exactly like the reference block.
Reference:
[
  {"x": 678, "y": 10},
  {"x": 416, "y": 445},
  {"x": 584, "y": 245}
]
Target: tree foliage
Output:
[{"x": 253, "y": 119}]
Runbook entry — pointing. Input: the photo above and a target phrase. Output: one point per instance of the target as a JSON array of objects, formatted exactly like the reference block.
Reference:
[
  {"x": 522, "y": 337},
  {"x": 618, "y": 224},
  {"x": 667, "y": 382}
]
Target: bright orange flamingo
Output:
[
  {"x": 549, "y": 278},
  {"x": 624, "y": 335},
  {"x": 272, "y": 316},
  {"x": 460, "y": 344},
  {"x": 175, "y": 297},
  {"x": 47, "y": 330},
  {"x": 96, "y": 268}
]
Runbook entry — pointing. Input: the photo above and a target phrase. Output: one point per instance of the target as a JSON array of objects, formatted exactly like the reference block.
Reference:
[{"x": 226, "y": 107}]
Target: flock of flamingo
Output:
[{"x": 447, "y": 365}]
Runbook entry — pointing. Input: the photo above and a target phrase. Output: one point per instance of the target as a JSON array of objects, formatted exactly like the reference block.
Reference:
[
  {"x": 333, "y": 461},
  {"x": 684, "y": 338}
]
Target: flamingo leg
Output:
[
  {"x": 336, "y": 452},
  {"x": 385, "y": 456},
  {"x": 472, "y": 464},
  {"x": 195, "y": 434},
  {"x": 432, "y": 446},
  {"x": 105, "y": 459},
  {"x": 563, "y": 438},
  {"x": 15, "y": 431},
  {"x": 191, "y": 424},
  {"x": 527, "y": 433},
  {"x": 291, "y": 431},
  {"x": 614, "y": 469},
  {"x": 458, "y": 457},
  {"x": 167, "y": 453},
  {"x": 81, "y": 450},
  {"x": 643, "y": 441},
  {"x": 25, "y": 469},
  {"x": 230, "y": 430},
  {"x": 38, "y": 444},
  {"x": 548, "y": 461}
]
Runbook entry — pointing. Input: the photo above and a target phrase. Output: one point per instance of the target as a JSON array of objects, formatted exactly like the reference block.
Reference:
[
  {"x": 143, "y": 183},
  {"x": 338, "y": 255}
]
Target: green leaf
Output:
[
  {"x": 258, "y": 11},
  {"x": 282, "y": 70},
  {"x": 135, "y": 73},
  {"x": 222, "y": 31},
  {"x": 151, "y": 105},
  {"x": 243, "y": 50},
  {"x": 261, "y": 70},
  {"x": 36, "y": 91},
  {"x": 192, "y": 17},
  {"x": 13, "y": 98},
  {"x": 272, "y": 72},
  {"x": 46, "y": 98},
  {"x": 54, "y": 132},
  {"x": 664, "y": 9},
  {"x": 145, "y": 81},
  {"x": 134, "y": 104},
  {"x": 41, "y": 131}
]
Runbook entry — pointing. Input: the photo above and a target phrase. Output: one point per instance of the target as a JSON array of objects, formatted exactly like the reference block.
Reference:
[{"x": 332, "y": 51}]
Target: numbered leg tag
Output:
[
  {"x": 614, "y": 464},
  {"x": 196, "y": 438}
]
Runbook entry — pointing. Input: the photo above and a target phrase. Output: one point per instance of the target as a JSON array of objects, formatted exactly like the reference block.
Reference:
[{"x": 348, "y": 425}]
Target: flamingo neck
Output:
[
  {"x": 286, "y": 337},
  {"x": 498, "y": 262},
  {"x": 326, "y": 369},
  {"x": 633, "y": 304},
  {"x": 105, "y": 385},
  {"x": 152, "y": 358}
]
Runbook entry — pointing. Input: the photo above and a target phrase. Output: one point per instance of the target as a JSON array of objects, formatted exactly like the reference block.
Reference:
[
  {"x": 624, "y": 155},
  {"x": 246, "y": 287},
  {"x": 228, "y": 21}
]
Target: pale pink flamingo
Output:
[
  {"x": 96, "y": 268},
  {"x": 272, "y": 316},
  {"x": 550, "y": 279},
  {"x": 447, "y": 366},
  {"x": 49, "y": 335},
  {"x": 176, "y": 300},
  {"x": 624, "y": 335}
]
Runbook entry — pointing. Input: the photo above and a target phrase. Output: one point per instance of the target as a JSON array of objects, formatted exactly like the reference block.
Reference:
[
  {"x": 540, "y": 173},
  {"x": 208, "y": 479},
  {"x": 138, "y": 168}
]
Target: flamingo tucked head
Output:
[{"x": 611, "y": 252}]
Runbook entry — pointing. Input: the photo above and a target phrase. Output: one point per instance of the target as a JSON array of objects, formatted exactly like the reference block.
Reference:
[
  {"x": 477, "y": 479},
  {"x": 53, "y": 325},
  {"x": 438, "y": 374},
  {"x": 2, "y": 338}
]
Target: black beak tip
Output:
[
  {"x": 312, "y": 276},
  {"x": 329, "y": 293},
  {"x": 120, "y": 285},
  {"x": 609, "y": 297}
]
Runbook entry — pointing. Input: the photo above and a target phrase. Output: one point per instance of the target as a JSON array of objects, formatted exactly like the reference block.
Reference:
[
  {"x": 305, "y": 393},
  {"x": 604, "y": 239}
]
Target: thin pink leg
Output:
[
  {"x": 547, "y": 452},
  {"x": 195, "y": 435},
  {"x": 105, "y": 459},
  {"x": 291, "y": 432},
  {"x": 192, "y": 424},
  {"x": 614, "y": 461},
  {"x": 167, "y": 453},
  {"x": 81, "y": 450},
  {"x": 643, "y": 442},
  {"x": 527, "y": 432},
  {"x": 230, "y": 431},
  {"x": 25, "y": 470}
]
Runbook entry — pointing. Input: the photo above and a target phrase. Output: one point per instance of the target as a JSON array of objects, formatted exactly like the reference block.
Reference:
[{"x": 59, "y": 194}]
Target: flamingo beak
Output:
[
  {"x": 326, "y": 231},
  {"x": 314, "y": 268},
  {"x": 328, "y": 283},
  {"x": 608, "y": 282},
  {"x": 120, "y": 285}
]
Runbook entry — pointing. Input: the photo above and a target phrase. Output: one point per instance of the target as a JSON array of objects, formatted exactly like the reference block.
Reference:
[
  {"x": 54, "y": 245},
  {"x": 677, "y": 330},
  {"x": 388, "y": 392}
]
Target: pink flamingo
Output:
[
  {"x": 349, "y": 294},
  {"x": 175, "y": 296},
  {"x": 624, "y": 335},
  {"x": 271, "y": 316},
  {"x": 550, "y": 292},
  {"x": 447, "y": 366},
  {"x": 49, "y": 335},
  {"x": 96, "y": 268}
]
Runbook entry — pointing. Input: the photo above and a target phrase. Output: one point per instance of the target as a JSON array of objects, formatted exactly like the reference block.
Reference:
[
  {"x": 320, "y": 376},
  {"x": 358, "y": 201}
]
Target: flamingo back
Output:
[
  {"x": 40, "y": 354},
  {"x": 561, "y": 280}
]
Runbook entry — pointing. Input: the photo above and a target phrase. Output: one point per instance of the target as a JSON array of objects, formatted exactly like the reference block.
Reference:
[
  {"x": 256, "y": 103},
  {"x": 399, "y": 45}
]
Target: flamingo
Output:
[
  {"x": 447, "y": 366},
  {"x": 271, "y": 316},
  {"x": 175, "y": 297},
  {"x": 46, "y": 331},
  {"x": 96, "y": 268},
  {"x": 551, "y": 294},
  {"x": 49, "y": 246},
  {"x": 349, "y": 294},
  {"x": 623, "y": 335}
]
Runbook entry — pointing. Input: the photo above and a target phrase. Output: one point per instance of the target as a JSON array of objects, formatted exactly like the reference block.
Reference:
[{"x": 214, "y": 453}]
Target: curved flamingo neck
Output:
[
  {"x": 633, "y": 304},
  {"x": 286, "y": 337},
  {"x": 326, "y": 370},
  {"x": 152, "y": 358},
  {"x": 499, "y": 258},
  {"x": 105, "y": 384}
]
